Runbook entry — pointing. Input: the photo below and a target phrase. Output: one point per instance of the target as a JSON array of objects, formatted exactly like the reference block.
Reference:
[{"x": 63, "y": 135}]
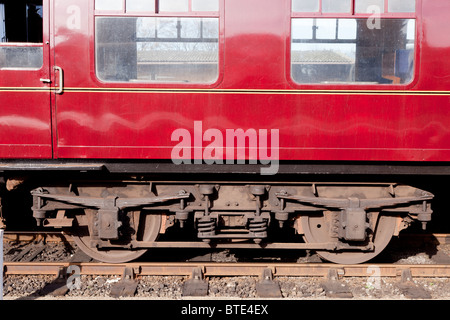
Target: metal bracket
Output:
[
  {"x": 409, "y": 288},
  {"x": 333, "y": 287},
  {"x": 60, "y": 221},
  {"x": 267, "y": 287},
  {"x": 58, "y": 287},
  {"x": 196, "y": 286},
  {"x": 127, "y": 286}
]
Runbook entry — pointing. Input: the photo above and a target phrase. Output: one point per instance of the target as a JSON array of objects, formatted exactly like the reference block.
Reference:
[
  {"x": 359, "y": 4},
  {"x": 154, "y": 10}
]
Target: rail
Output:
[{"x": 229, "y": 269}]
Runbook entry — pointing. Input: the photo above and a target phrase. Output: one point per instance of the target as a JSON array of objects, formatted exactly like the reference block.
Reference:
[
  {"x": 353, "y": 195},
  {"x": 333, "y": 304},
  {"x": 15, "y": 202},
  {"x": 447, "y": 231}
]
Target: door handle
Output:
[{"x": 60, "y": 84}]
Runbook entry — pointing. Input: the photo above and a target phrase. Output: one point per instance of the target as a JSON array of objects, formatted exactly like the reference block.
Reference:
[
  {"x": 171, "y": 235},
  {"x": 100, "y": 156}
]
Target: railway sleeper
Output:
[{"x": 345, "y": 223}]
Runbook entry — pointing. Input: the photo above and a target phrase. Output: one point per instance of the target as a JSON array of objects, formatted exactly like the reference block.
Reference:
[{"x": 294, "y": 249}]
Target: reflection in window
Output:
[
  {"x": 369, "y": 6},
  {"x": 21, "y": 34},
  {"x": 325, "y": 28},
  {"x": 111, "y": 5},
  {"x": 345, "y": 6},
  {"x": 348, "y": 51},
  {"x": 336, "y": 6},
  {"x": 2, "y": 23},
  {"x": 22, "y": 57},
  {"x": 402, "y": 5},
  {"x": 305, "y": 5},
  {"x": 205, "y": 5},
  {"x": 174, "y": 5},
  {"x": 161, "y": 50},
  {"x": 140, "y": 5}
]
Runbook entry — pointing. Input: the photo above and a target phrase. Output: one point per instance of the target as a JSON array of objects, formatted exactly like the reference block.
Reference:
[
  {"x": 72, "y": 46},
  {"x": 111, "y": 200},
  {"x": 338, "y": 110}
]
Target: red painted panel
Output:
[{"x": 389, "y": 123}]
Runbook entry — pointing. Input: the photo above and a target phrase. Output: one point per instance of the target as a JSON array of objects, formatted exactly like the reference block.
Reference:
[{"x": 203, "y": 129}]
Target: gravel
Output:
[
  {"x": 170, "y": 287},
  {"x": 302, "y": 288}
]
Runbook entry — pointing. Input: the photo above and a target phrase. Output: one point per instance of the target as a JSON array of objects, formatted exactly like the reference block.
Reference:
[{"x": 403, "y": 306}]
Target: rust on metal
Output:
[
  {"x": 197, "y": 285},
  {"x": 228, "y": 269},
  {"x": 60, "y": 236}
]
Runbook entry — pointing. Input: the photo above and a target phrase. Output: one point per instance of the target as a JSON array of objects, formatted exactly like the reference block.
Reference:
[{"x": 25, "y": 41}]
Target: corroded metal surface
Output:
[{"x": 230, "y": 269}]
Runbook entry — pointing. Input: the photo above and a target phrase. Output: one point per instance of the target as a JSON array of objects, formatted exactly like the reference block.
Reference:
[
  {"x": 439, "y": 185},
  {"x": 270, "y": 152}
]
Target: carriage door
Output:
[{"x": 25, "y": 79}]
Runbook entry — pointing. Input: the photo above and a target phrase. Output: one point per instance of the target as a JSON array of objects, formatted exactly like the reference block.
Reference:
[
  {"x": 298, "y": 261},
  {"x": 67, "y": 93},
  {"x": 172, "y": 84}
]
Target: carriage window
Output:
[
  {"x": 21, "y": 34},
  {"x": 356, "y": 48},
  {"x": 157, "y": 49},
  {"x": 351, "y": 51}
]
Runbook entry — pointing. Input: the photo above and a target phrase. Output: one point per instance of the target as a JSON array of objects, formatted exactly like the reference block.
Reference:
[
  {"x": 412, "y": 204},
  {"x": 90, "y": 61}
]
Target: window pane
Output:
[
  {"x": 346, "y": 29},
  {"x": 411, "y": 30},
  {"x": 174, "y": 5},
  {"x": 303, "y": 28},
  {"x": 164, "y": 50},
  {"x": 338, "y": 6},
  {"x": 402, "y": 5},
  {"x": 369, "y": 6},
  {"x": 205, "y": 5},
  {"x": 210, "y": 28},
  {"x": 111, "y": 5},
  {"x": 167, "y": 28},
  {"x": 141, "y": 5},
  {"x": 305, "y": 5},
  {"x": 21, "y": 57},
  {"x": 360, "y": 54},
  {"x": 326, "y": 28}
]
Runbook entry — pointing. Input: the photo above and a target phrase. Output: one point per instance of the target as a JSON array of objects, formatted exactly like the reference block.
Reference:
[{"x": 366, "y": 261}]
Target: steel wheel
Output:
[
  {"x": 316, "y": 230},
  {"x": 148, "y": 230}
]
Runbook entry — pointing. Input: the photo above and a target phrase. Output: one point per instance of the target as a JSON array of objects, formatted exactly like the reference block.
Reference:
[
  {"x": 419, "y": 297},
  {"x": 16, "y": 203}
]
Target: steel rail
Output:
[{"x": 211, "y": 269}]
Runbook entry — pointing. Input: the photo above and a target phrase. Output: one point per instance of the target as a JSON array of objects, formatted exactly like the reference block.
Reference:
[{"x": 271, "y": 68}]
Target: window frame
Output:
[
  {"x": 356, "y": 86},
  {"x": 163, "y": 85}
]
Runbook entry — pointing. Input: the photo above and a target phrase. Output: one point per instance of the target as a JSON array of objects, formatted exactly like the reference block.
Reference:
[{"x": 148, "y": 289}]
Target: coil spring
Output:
[
  {"x": 257, "y": 225},
  {"x": 207, "y": 225}
]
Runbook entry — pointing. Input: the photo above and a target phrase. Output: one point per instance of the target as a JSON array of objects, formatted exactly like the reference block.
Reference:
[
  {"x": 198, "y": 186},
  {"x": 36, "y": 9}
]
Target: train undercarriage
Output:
[{"x": 118, "y": 221}]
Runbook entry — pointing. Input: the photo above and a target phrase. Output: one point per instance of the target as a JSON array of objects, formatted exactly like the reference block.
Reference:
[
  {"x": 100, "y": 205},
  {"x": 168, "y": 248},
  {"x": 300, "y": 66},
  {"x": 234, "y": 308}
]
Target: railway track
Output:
[
  {"x": 216, "y": 269},
  {"x": 195, "y": 277}
]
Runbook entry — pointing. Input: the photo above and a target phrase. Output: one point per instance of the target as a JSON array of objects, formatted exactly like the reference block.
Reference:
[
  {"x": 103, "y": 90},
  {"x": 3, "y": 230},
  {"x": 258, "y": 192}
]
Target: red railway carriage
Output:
[{"x": 136, "y": 111}]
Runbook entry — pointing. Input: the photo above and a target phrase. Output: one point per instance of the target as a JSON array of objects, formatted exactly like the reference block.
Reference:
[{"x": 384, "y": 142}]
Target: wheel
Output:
[
  {"x": 316, "y": 230},
  {"x": 148, "y": 230}
]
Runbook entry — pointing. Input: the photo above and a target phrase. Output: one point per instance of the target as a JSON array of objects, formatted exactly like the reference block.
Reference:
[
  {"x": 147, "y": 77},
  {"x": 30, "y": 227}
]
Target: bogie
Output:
[{"x": 346, "y": 223}]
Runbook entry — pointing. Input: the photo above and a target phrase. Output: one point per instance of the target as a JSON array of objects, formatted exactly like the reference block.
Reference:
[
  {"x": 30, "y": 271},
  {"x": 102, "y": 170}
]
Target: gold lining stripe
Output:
[{"x": 229, "y": 91}]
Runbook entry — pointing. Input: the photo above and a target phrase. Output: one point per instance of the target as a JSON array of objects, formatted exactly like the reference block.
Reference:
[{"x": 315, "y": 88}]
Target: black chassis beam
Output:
[{"x": 285, "y": 167}]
